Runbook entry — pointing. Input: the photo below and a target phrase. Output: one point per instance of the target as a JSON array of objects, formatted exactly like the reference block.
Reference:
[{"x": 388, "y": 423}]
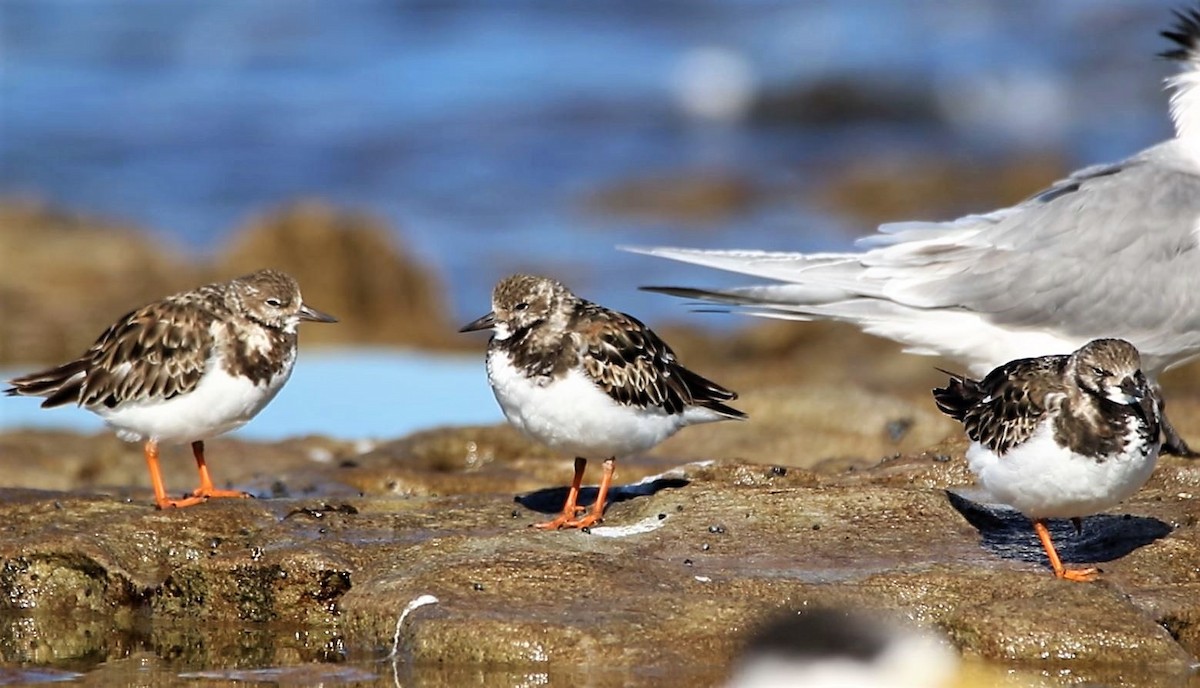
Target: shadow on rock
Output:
[
  {"x": 1104, "y": 537},
  {"x": 552, "y": 499}
]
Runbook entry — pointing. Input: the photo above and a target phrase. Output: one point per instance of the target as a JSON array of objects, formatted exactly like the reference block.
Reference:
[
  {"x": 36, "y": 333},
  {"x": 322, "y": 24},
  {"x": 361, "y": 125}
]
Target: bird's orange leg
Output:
[
  {"x": 206, "y": 488},
  {"x": 570, "y": 510},
  {"x": 160, "y": 492},
  {"x": 597, "y": 513},
  {"x": 1078, "y": 575}
]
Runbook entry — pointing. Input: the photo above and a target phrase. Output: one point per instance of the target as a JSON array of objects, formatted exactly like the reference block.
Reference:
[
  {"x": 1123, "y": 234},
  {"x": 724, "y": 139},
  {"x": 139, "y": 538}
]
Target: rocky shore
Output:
[
  {"x": 690, "y": 559},
  {"x": 847, "y": 488}
]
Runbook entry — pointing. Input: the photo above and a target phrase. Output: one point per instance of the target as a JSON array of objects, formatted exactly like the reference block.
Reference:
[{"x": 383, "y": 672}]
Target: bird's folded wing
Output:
[{"x": 156, "y": 352}]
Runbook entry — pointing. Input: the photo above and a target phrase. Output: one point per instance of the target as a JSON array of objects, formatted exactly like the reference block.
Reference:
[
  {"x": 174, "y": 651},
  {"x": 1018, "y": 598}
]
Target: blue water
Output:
[
  {"x": 349, "y": 394},
  {"x": 478, "y": 128}
]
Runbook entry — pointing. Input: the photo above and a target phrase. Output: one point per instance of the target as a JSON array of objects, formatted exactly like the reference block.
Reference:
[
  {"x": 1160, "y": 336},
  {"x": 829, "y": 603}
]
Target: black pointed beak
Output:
[
  {"x": 1133, "y": 388},
  {"x": 1145, "y": 401},
  {"x": 314, "y": 315},
  {"x": 487, "y": 322}
]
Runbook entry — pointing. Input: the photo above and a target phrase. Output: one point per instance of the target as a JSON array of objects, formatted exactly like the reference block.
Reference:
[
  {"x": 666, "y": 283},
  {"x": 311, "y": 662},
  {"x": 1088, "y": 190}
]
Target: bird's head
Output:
[
  {"x": 272, "y": 299},
  {"x": 523, "y": 302},
  {"x": 1112, "y": 369}
]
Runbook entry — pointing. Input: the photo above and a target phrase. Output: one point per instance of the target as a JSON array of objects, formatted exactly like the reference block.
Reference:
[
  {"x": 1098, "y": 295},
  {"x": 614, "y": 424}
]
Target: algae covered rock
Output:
[{"x": 684, "y": 566}]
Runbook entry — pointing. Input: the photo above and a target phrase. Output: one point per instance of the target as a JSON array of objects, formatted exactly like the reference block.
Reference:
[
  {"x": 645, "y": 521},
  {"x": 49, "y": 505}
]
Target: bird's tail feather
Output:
[
  {"x": 959, "y": 395},
  {"x": 708, "y": 394},
  {"x": 61, "y": 385},
  {"x": 776, "y": 265}
]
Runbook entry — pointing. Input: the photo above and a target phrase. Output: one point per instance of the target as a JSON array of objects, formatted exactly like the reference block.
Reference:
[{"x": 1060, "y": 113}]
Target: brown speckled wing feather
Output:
[
  {"x": 1006, "y": 407},
  {"x": 156, "y": 352},
  {"x": 635, "y": 367}
]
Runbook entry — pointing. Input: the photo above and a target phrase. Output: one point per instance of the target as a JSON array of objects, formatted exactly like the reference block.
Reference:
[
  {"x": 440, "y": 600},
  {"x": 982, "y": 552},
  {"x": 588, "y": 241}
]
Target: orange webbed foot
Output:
[
  {"x": 206, "y": 489},
  {"x": 564, "y": 520},
  {"x": 1060, "y": 571},
  {"x": 210, "y": 493},
  {"x": 587, "y": 521},
  {"x": 1079, "y": 575},
  {"x": 164, "y": 503}
]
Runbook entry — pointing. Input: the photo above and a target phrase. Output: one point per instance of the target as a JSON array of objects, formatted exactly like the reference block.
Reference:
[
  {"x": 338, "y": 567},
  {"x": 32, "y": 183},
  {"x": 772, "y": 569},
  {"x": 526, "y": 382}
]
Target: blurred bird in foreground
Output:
[
  {"x": 832, "y": 648},
  {"x": 822, "y": 647}
]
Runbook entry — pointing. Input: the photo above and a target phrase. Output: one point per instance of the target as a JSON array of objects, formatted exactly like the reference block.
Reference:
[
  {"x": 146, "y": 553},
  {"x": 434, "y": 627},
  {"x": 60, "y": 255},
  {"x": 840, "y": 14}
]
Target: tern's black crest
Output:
[{"x": 1186, "y": 33}]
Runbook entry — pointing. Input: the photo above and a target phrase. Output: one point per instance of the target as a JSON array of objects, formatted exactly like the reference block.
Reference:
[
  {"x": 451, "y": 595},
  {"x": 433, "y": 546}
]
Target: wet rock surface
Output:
[{"x": 309, "y": 586}]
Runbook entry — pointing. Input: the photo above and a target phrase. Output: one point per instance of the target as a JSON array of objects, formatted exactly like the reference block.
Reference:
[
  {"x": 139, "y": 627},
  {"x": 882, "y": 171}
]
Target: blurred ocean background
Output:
[{"x": 495, "y": 136}]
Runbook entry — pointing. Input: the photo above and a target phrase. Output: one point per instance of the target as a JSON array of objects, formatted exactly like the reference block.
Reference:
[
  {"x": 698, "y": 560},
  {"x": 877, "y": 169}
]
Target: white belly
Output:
[
  {"x": 572, "y": 414},
  {"x": 219, "y": 403},
  {"x": 1042, "y": 480}
]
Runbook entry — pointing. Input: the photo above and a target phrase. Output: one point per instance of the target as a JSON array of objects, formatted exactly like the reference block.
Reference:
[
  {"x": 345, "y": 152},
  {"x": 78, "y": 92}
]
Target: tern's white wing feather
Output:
[{"x": 1112, "y": 251}]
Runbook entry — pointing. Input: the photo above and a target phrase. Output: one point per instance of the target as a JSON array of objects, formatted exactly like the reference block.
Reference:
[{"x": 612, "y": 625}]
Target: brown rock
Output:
[
  {"x": 101, "y": 463},
  {"x": 693, "y": 197},
  {"x": 885, "y": 190},
  {"x": 842, "y": 99},
  {"x": 723, "y": 545},
  {"x": 350, "y": 265},
  {"x": 845, "y": 425},
  {"x": 65, "y": 277}
]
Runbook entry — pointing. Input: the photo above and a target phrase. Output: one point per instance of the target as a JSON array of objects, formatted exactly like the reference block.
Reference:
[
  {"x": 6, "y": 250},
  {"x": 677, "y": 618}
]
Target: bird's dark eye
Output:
[
  {"x": 1098, "y": 371},
  {"x": 274, "y": 302},
  {"x": 522, "y": 306}
]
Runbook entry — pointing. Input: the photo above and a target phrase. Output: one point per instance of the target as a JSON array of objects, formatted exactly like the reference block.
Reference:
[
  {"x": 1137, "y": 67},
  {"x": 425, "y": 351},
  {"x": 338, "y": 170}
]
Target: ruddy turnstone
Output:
[
  {"x": 189, "y": 367},
  {"x": 1060, "y": 436},
  {"x": 1113, "y": 250},
  {"x": 583, "y": 379}
]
